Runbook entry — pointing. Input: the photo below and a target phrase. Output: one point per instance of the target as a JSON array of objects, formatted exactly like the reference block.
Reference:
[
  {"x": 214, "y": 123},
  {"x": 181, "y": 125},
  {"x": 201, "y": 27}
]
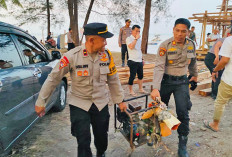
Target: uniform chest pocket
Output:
[
  {"x": 103, "y": 73},
  {"x": 172, "y": 57},
  {"x": 83, "y": 76}
]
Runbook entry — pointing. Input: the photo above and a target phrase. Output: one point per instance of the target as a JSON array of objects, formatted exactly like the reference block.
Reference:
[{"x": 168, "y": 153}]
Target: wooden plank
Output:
[{"x": 205, "y": 92}]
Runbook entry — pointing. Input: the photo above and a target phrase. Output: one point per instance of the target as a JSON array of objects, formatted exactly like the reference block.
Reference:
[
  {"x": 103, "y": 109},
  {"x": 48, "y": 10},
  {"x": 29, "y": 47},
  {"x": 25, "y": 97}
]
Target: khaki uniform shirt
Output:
[
  {"x": 89, "y": 79},
  {"x": 174, "y": 60},
  {"x": 69, "y": 35},
  {"x": 123, "y": 34}
]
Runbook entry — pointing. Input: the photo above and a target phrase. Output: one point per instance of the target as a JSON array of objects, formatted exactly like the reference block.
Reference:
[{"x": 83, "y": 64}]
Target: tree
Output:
[
  {"x": 118, "y": 10},
  {"x": 87, "y": 15},
  {"x": 146, "y": 26},
  {"x": 73, "y": 15},
  {"x": 48, "y": 17},
  {"x": 37, "y": 11},
  {"x": 15, "y": 2}
]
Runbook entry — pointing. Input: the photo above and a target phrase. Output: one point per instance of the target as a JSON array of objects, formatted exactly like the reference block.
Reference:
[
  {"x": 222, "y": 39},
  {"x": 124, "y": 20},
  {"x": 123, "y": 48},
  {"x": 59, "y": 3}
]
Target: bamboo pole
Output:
[{"x": 204, "y": 31}]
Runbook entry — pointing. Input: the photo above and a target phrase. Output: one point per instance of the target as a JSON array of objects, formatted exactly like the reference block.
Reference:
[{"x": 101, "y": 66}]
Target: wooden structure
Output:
[
  {"x": 124, "y": 74},
  {"x": 219, "y": 20}
]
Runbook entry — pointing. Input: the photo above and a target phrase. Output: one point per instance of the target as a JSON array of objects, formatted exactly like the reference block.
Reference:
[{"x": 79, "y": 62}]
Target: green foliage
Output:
[
  {"x": 35, "y": 11},
  {"x": 15, "y": 2}
]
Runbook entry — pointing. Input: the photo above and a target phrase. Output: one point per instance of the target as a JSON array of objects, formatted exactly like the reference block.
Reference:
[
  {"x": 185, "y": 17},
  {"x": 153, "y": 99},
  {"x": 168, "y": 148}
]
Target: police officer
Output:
[
  {"x": 174, "y": 58},
  {"x": 123, "y": 34},
  {"x": 90, "y": 67}
]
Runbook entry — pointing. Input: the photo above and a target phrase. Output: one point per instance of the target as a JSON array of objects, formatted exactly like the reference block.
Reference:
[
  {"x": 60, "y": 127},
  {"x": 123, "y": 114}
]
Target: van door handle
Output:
[{"x": 37, "y": 72}]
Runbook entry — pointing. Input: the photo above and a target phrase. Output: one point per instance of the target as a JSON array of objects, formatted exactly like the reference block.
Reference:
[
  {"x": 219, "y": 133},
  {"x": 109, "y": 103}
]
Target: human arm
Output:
[
  {"x": 53, "y": 79},
  {"x": 132, "y": 44},
  {"x": 116, "y": 91},
  {"x": 193, "y": 66},
  {"x": 216, "y": 52},
  {"x": 225, "y": 52},
  {"x": 221, "y": 65},
  {"x": 159, "y": 70}
]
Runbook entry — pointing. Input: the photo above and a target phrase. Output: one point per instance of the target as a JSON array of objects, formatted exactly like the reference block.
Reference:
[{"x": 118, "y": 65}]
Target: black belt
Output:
[{"x": 175, "y": 78}]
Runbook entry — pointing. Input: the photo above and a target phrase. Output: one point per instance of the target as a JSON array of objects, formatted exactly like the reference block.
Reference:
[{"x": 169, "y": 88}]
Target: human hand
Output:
[
  {"x": 214, "y": 76},
  {"x": 137, "y": 36},
  {"x": 40, "y": 111},
  {"x": 122, "y": 106},
  {"x": 120, "y": 45},
  {"x": 216, "y": 60},
  {"x": 193, "y": 78},
  {"x": 155, "y": 94}
]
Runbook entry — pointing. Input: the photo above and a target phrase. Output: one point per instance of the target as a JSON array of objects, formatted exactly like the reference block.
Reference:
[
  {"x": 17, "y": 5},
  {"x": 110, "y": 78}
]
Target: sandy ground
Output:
[{"x": 51, "y": 137}]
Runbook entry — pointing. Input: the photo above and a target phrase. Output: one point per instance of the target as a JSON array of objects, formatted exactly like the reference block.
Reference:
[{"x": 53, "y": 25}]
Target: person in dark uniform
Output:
[
  {"x": 91, "y": 68},
  {"x": 174, "y": 58}
]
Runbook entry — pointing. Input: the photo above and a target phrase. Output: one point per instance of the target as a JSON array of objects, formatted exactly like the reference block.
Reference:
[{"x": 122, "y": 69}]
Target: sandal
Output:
[
  {"x": 206, "y": 124},
  {"x": 133, "y": 94},
  {"x": 143, "y": 92}
]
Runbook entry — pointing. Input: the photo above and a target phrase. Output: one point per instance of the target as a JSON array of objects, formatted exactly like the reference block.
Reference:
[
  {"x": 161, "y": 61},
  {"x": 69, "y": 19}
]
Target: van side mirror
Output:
[{"x": 56, "y": 55}]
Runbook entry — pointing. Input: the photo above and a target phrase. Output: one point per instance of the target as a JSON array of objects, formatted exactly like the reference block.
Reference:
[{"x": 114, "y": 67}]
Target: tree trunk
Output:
[
  {"x": 48, "y": 17},
  {"x": 75, "y": 29},
  {"x": 146, "y": 26},
  {"x": 87, "y": 16},
  {"x": 73, "y": 14},
  {"x": 70, "y": 12}
]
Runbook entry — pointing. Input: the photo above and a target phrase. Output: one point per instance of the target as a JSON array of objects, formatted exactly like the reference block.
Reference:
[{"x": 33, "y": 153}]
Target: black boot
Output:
[
  {"x": 182, "y": 148},
  {"x": 101, "y": 155}
]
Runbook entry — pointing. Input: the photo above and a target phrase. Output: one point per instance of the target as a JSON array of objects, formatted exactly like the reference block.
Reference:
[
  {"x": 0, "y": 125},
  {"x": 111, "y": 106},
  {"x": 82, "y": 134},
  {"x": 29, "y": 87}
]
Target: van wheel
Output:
[{"x": 61, "y": 99}]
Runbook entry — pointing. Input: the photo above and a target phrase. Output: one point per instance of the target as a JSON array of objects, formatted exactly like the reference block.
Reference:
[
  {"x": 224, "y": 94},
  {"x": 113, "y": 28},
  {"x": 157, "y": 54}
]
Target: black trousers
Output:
[
  {"x": 124, "y": 52},
  {"x": 135, "y": 68},
  {"x": 80, "y": 128},
  {"x": 71, "y": 46},
  {"x": 209, "y": 59},
  {"x": 180, "y": 90}
]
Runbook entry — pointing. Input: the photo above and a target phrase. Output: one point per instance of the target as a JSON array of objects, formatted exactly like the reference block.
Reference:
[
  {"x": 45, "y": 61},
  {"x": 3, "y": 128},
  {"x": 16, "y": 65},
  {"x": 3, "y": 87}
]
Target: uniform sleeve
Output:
[
  {"x": 116, "y": 91},
  {"x": 53, "y": 79},
  {"x": 193, "y": 65},
  {"x": 160, "y": 63},
  {"x": 120, "y": 37}
]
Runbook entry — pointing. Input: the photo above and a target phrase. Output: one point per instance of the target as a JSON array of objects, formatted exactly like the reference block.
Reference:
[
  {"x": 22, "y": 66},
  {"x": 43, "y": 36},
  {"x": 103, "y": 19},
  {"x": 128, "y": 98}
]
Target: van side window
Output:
[
  {"x": 32, "y": 52},
  {"x": 9, "y": 56}
]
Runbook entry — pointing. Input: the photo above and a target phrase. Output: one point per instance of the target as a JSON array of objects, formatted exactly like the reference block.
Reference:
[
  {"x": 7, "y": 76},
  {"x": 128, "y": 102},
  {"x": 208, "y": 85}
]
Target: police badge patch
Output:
[
  {"x": 63, "y": 62},
  {"x": 162, "y": 51}
]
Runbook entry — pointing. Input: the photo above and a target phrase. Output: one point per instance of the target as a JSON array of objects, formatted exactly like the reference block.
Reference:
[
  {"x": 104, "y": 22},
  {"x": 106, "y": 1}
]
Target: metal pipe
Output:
[{"x": 131, "y": 133}]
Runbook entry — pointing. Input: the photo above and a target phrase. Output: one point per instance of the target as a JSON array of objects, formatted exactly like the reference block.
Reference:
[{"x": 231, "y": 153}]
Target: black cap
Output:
[
  {"x": 183, "y": 21},
  {"x": 127, "y": 20},
  {"x": 99, "y": 29}
]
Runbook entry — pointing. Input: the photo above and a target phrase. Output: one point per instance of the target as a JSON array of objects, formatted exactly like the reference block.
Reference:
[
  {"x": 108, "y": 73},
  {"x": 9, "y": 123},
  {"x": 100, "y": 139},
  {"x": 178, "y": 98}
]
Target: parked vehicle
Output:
[{"x": 24, "y": 66}]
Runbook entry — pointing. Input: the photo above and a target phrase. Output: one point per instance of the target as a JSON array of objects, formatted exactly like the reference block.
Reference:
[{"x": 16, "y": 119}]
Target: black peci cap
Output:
[
  {"x": 183, "y": 21},
  {"x": 99, "y": 29}
]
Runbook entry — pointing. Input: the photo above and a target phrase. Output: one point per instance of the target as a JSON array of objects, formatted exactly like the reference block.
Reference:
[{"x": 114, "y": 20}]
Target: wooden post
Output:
[
  {"x": 200, "y": 46},
  {"x": 204, "y": 30}
]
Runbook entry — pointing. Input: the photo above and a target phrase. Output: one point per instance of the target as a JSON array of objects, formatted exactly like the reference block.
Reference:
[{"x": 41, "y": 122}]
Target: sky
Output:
[{"x": 178, "y": 9}]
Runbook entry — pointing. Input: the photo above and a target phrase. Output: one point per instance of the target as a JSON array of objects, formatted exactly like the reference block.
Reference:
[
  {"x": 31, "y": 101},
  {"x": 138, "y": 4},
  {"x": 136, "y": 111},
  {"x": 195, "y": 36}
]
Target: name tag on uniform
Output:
[
  {"x": 172, "y": 52},
  {"x": 82, "y": 66},
  {"x": 190, "y": 51},
  {"x": 104, "y": 64}
]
